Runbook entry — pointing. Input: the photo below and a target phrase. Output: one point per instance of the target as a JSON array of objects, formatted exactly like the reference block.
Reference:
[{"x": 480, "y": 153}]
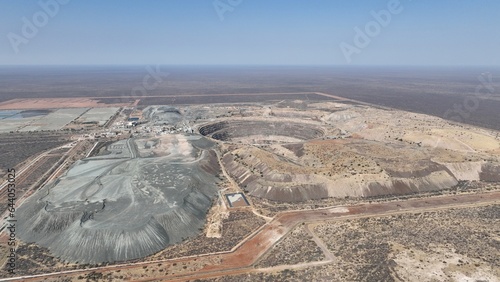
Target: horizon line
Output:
[{"x": 240, "y": 65}]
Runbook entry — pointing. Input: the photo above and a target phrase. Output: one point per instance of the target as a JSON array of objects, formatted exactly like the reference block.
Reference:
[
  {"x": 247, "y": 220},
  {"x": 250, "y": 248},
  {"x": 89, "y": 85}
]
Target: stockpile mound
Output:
[
  {"x": 115, "y": 208},
  {"x": 349, "y": 167},
  {"x": 163, "y": 115}
]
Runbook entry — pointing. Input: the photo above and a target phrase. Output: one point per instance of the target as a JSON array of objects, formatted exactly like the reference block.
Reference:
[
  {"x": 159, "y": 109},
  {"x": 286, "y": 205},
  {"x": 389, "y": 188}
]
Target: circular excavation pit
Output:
[{"x": 261, "y": 132}]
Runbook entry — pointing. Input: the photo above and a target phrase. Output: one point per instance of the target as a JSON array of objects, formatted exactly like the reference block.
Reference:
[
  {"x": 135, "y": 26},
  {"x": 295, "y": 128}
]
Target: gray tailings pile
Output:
[{"x": 133, "y": 201}]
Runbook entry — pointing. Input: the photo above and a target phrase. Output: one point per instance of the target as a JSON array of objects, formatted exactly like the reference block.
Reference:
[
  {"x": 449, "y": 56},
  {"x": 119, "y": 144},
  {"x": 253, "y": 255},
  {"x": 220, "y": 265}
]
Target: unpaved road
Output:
[
  {"x": 94, "y": 102},
  {"x": 241, "y": 259}
]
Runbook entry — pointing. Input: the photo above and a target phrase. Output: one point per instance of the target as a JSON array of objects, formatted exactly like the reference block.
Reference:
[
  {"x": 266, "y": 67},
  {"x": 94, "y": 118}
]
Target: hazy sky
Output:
[{"x": 275, "y": 32}]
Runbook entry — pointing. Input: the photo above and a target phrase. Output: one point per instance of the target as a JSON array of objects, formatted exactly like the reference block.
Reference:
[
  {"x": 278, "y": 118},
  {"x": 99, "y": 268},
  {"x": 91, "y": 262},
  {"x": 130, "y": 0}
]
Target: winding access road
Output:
[{"x": 244, "y": 255}]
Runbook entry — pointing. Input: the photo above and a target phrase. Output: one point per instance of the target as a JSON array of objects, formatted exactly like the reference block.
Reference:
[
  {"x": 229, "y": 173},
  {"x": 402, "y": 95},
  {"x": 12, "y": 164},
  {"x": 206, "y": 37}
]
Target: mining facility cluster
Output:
[{"x": 155, "y": 183}]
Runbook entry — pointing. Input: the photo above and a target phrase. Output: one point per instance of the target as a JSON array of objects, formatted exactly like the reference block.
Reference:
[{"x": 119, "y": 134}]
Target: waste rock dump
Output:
[{"x": 130, "y": 201}]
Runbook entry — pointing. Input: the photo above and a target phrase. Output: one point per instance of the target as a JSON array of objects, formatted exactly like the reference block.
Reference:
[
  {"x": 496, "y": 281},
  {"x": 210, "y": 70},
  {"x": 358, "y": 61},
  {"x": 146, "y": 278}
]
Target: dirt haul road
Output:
[{"x": 251, "y": 249}]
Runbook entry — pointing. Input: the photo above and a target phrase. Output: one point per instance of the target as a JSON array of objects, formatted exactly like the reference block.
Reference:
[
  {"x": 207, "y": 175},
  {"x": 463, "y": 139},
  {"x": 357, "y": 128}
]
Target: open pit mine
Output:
[
  {"x": 293, "y": 154},
  {"x": 139, "y": 195}
]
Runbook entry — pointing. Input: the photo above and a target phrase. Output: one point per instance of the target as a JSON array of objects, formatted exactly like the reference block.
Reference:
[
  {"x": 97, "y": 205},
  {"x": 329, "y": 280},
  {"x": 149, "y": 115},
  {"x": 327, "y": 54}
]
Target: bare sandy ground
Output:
[
  {"x": 53, "y": 103},
  {"x": 248, "y": 251},
  {"x": 94, "y": 102},
  {"x": 415, "y": 265}
]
